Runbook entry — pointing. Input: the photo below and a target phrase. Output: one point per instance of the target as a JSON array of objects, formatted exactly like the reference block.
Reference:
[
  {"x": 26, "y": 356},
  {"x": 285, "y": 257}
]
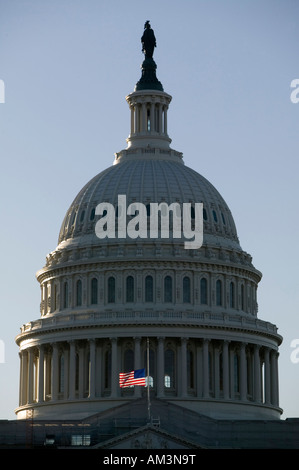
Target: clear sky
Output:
[{"x": 67, "y": 66}]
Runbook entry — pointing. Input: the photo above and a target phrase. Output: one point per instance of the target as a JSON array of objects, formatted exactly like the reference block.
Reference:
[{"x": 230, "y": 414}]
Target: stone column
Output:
[
  {"x": 199, "y": 371},
  {"x": 243, "y": 372},
  {"x": 267, "y": 377},
  {"x": 81, "y": 371},
  {"x": 136, "y": 111},
  {"x": 152, "y": 115},
  {"x": 165, "y": 118},
  {"x": 72, "y": 374},
  {"x": 30, "y": 376},
  {"x": 20, "y": 379},
  {"x": 66, "y": 356},
  {"x": 206, "y": 385},
  {"x": 54, "y": 372},
  {"x": 274, "y": 378},
  {"x": 160, "y": 118},
  {"x": 217, "y": 371},
  {"x": 160, "y": 368},
  {"x": 40, "y": 390},
  {"x": 99, "y": 371},
  {"x": 114, "y": 368},
  {"x": 183, "y": 367},
  {"x": 92, "y": 371},
  {"x": 231, "y": 375},
  {"x": 257, "y": 374},
  {"x": 225, "y": 370},
  {"x": 24, "y": 379}
]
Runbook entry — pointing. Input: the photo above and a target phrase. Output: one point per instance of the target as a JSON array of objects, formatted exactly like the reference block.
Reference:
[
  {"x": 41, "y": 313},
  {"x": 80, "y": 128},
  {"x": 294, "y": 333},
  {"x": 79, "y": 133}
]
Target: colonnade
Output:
[
  {"x": 179, "y": 367},
  {"x": 148, "y": 113}
]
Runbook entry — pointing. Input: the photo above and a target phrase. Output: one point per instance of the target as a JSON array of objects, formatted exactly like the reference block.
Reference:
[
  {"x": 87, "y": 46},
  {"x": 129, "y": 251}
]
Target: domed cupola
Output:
[{"x": 116, "y": 282}]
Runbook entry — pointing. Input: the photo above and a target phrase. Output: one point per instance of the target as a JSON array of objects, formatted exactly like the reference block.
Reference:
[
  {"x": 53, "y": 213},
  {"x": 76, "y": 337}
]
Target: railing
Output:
[{"x": 142, "y": 317}]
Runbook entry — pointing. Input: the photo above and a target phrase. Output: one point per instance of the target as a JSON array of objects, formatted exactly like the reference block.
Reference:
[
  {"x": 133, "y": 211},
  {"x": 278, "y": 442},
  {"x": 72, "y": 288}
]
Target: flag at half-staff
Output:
[{"x": 135, "y": 377}]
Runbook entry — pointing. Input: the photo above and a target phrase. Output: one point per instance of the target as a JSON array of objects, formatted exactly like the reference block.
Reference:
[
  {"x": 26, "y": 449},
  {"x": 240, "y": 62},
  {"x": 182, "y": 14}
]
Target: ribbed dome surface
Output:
[{"x": 149, "y": 180}]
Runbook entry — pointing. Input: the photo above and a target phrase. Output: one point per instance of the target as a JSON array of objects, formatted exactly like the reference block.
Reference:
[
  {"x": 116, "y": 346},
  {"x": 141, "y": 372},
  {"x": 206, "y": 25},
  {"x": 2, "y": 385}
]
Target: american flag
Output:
[{"x": 135, "y": 377}]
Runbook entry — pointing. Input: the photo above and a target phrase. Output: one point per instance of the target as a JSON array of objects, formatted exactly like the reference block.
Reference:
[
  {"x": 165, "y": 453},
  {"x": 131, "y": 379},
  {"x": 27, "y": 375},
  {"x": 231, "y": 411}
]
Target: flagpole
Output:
[{"x": 148, "y": 385}]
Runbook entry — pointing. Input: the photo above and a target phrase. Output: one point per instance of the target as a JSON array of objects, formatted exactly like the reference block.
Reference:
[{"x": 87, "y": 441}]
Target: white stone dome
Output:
[
  {"x": 149, "y": 177},
  {"x": 105, "y": 301}
]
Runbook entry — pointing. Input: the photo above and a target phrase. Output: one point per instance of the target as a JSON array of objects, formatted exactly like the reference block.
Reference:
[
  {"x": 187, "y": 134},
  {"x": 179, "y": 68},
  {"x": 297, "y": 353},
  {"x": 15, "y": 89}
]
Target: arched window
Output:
[
  {"x": 167, "y": 289},
  {"x": 94, "y": 291},
  {"x": 79, "y": 293},
  {"x": 130, "y": 289},
  {"x": 167, "y": 381},
  {"x": 186, "y": 290},
  {"x": 169, "y": 378},
  {"x": 215, "y": 216},
  {"x": 218, "y": 292},
  {"x": 65, "y": 295},
  {"x": 204, "y": 213},
  {"x": 232, "y": 295},
  {"x": 203, "y": 291},
  {"x": 111, "y": 289},
  {"x": 149, "y": 289}
]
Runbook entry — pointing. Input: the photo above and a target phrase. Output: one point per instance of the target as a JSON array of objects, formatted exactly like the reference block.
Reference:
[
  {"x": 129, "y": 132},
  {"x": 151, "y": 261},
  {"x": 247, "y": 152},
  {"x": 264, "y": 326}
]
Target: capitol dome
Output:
[{"x": 116, "y": 304}]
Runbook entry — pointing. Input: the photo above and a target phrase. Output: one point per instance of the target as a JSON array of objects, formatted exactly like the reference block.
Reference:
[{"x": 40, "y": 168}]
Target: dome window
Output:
[
  {"x": 149, "y": 289},
  {"x": 215, "y": 216},
  {"x": 223, "y": 219},
  {"x": 65, "y": 295},
  {"x": 111, "y": 290},
  {"x": 203, "y": 291},
  {"x": 130, "y": 289},
  {"x": 92, "y": 214},
  {"x": 205, "y": 215},
  {"x": 186, "y": 290},
  {"x": 218, "y": 293},
  {"x": 79, "y": 293},
  {"x": 94, "y": 291},
  {"x": 168, "y": 289},
  {"x": 232, "y": 295}
]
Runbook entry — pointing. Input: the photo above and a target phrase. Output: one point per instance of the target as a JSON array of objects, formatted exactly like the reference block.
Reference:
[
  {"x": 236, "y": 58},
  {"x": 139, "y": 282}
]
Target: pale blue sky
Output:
[{"x": 67, "y": 66}]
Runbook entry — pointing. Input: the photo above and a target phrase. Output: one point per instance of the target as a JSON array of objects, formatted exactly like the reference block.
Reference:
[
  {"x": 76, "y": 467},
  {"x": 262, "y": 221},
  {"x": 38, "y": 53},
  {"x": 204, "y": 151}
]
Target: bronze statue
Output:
[
  {"x": 148, "y": 80},
  {"x": 148, "y": 41}
]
